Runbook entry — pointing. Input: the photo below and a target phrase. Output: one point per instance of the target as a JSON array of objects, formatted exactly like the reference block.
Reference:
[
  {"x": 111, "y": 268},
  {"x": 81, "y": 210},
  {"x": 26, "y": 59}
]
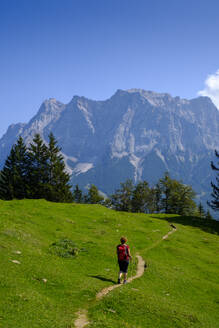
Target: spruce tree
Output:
[
  {"x": 176, "y": 197},
  {"x": 186, "y": 205},
  {"x": 165, "y": 189},
  {"x": 142, "y": 198},
  {"x": 77, "y": 195},
  {"x": 208, "y": 215},
  {"x": 122, "y": 199},
  {"x": 201, "y": 211},
  {"x": 13, "y": 182},
  {"x": 36, "y": 172},
  {"x": 93, "y": 196},
  {"x": 157, "y": 196},
  {"x": 57, "y": 185},
  {"x": 38, "y": 168},
  {"x": 214, "y": 203}
]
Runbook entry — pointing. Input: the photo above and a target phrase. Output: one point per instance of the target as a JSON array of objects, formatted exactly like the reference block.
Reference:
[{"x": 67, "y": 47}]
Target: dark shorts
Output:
[{"x": 123, "y": 266}]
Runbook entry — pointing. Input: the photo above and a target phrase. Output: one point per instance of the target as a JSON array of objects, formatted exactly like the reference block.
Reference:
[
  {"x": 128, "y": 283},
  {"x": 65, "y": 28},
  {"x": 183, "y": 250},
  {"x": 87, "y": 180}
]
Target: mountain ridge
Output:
[{"x": 134, "y": 134}]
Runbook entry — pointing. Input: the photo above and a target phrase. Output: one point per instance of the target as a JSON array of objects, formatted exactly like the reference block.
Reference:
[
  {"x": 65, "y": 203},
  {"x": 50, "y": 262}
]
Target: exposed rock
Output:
[
  {"x": 15, "y": 261},
  {"x": 135, "y": 134}
]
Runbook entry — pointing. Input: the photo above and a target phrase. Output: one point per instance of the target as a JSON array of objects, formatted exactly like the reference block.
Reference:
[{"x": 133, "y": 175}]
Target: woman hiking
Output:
[{"x": 123, "y": 254}]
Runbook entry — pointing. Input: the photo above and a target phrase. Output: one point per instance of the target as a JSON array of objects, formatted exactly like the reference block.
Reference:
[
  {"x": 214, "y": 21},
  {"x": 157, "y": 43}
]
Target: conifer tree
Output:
[
  {"x": 122, "y": 199},
  {"x": 77, "y": 195},
  {"x": 36, "y": 172},
  {"x": 165, "y": 188},
  {"x": 214, "y": 203},
  {"x": 142, "y": 198},
  {"x": 93, "y": 196},
  {"x": 176, "y": 197},
  {"x": 208, "y": 215},
  {"x": 57, "y": 184},
  {"x": 201, "y": 211},
  {"x": 13, "y": 182},
  {"x": 38, "y": 169},
  {"x": 157, "y": 196}
]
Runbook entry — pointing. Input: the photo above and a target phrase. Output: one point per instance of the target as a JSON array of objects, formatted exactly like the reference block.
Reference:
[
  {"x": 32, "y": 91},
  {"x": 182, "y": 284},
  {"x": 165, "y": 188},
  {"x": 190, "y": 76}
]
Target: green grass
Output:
[{"x": 73, "y": 248}]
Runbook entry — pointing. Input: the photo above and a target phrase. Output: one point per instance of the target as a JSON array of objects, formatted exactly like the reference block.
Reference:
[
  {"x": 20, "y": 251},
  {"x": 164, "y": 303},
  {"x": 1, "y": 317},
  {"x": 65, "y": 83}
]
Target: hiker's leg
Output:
[
  {"x": 120, "y": 271},
  {"x": 126, "y": 264},
  {"x": 119, "y": 277}
]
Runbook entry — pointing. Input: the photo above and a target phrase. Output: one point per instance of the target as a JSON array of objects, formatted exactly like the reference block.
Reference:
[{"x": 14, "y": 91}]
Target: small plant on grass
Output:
[{"x": 64, "y": 248}]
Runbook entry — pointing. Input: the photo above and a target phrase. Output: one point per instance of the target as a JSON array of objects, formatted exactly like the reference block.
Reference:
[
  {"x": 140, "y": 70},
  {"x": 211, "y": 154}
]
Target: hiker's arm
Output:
[{"x": 129, "y": 254}]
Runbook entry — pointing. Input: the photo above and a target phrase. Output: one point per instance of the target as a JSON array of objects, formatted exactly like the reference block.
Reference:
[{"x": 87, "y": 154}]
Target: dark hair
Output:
[{"x": 123, "y": 240}]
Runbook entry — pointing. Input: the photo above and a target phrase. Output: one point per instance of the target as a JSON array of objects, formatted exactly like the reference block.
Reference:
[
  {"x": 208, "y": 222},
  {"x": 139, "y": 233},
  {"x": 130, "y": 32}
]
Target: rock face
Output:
[{"x": 135, "y": 134}]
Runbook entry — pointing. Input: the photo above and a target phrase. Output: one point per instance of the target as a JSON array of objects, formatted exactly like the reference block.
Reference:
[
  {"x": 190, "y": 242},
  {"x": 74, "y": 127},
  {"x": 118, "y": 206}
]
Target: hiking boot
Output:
[
  {"x": 125, "y": 282},
  {"x": 119, "y": 281}
]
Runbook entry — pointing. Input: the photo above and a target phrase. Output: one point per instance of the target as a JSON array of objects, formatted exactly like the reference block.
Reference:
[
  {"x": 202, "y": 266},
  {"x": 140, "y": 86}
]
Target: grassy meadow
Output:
[{"x": 54, "y": 258}]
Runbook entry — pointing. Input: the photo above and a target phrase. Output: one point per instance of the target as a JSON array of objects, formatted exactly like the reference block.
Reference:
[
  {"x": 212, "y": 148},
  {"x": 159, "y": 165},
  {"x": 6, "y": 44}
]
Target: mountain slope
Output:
[
  {"x": 55, "y": 258},
  {"x": 135, "y": 134}
]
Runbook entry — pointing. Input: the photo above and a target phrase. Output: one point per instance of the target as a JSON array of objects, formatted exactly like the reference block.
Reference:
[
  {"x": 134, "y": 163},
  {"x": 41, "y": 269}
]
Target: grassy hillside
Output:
[{"x": 54, "y": 258}]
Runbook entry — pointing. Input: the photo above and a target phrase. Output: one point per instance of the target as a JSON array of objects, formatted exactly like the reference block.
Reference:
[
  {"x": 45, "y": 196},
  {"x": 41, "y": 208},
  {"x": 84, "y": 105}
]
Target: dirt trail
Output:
[
  {"x": 139, "y": 273},
  {"x": 82, "y": 318},
  {"x": 170, "y": 232}
]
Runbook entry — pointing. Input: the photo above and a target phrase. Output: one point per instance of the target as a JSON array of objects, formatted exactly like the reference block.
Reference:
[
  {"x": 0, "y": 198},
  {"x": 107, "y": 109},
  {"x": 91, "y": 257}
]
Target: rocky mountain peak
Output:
[
  {"x": 50, "y": 105},
  {"x": 134, "y": 134},
  {"x": 14, "y": 129},
  {"x": 158, "y": 99}
]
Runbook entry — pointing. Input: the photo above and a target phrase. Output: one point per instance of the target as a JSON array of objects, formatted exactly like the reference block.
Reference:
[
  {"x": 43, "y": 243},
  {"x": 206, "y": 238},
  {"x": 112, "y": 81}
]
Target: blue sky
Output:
[{"x": 61, "y": 48}]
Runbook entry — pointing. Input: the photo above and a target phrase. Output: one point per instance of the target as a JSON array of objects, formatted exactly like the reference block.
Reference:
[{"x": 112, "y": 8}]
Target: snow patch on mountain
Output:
[
  {"x": 87, "y": 115},
  {"x": 136, "y": 162},
  {"x": 160, "y": 155},
  {"x": 68, "y": 159},
  {"x": 82, "y": 168}
]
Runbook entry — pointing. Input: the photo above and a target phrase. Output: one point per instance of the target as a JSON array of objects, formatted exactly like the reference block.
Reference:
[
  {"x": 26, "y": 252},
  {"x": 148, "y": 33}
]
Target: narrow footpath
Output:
[{"x": 82, "y": 317}]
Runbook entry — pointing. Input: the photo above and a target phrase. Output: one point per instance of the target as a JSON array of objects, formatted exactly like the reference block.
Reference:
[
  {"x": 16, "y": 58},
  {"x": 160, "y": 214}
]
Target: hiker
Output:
[{"x": 123, "y": 253}]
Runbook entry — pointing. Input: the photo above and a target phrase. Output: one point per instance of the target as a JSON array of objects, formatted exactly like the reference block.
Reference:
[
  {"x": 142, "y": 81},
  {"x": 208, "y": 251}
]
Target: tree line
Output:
[
  {"x": 38, "y": 171},
  {"x": 167, "y": 196}
]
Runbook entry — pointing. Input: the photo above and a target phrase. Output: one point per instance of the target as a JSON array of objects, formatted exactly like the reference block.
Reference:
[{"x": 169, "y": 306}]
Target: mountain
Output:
[{"x": 135, "y": 134}]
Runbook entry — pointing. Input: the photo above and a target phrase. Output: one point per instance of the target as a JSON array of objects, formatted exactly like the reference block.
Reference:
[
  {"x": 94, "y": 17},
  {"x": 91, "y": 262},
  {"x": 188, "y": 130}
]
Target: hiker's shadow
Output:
[{"x": 102, "y": 278}]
